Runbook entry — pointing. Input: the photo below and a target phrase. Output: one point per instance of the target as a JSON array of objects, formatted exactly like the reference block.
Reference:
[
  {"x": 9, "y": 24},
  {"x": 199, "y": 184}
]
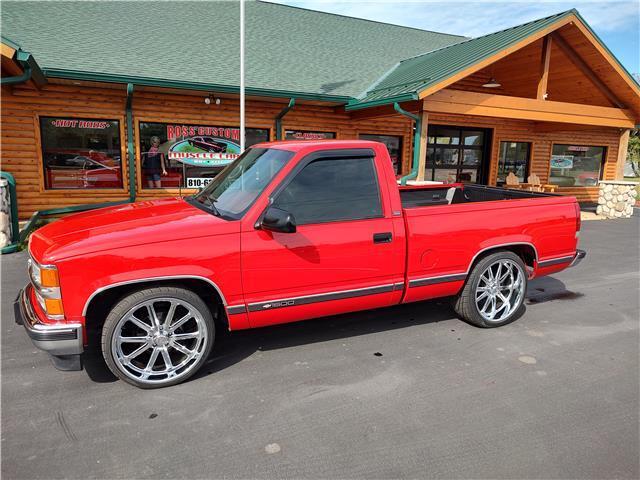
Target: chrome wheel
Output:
[
  {"x": 500, "y": 290},
  {"x": 159, "y": 340}
]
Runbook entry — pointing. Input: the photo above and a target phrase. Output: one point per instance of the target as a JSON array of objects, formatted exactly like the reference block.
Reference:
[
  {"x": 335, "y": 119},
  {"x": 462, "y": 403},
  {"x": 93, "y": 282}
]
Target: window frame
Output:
[
  {"x": 345, "y": 154},
  {"x": 529, "y": 155},
  {"x": 140, "y": 189},
  {"x": 400, "y": 147},
  {"x": 124, "y": 159},
  {"x": 484, "y": 167},
  {"x": 603, "y": 162}
]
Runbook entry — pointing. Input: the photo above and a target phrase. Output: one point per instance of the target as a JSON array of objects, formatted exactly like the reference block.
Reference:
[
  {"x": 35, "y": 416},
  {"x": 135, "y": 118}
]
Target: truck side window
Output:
[{"x": 330, "y": 190}]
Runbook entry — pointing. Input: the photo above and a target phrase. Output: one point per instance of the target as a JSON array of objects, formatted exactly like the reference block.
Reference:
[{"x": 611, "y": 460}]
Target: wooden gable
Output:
[{"x": 578, "y": 72}]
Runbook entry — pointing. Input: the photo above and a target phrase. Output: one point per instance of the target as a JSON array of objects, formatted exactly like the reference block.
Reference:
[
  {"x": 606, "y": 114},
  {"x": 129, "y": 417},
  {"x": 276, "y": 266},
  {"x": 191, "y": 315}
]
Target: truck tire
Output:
[
  {"x": 157, "y": 337},
  {"x": 494, "y": 292}
]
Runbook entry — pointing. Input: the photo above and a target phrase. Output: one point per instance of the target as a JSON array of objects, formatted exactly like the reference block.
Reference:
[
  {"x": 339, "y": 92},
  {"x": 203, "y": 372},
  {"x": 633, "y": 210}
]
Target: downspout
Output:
[
  {"x": 281, "y": 115},
  {"x": 30, "y": 71},
  {"x": 130, "y": 152},
  {"x": 25, "y": 77},
  {"x": 416, "y": 142}
]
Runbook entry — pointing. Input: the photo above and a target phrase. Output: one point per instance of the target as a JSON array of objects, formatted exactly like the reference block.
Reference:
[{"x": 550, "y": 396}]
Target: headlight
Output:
[{"x": 47, "y": 288}]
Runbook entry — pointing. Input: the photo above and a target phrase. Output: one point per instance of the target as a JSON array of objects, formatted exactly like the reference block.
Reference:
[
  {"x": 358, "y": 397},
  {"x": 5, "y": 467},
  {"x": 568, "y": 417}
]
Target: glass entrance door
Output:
[{"x": 457, "y": 154}]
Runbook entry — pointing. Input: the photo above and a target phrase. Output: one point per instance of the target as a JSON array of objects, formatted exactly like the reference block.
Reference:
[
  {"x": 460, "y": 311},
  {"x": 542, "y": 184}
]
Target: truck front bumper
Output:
[{"x": 64, "y": 341}]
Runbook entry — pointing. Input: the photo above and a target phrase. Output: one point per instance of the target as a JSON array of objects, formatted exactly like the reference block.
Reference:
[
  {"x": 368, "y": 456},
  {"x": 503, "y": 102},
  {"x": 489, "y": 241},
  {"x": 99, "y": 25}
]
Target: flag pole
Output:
[{"x": 242, "y": 120}]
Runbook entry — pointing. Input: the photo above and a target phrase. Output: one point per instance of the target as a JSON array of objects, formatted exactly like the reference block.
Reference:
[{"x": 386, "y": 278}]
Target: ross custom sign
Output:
[{"x": 203, "y": 146}]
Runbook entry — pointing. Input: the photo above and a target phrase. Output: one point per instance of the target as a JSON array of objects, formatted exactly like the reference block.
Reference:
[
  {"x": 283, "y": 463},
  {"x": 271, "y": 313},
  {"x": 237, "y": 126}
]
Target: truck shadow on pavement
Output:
[{"x": 233, "y": 347}]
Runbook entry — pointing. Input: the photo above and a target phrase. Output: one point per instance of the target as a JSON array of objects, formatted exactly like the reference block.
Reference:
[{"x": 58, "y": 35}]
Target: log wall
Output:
[{"x": 22, "y": 106}]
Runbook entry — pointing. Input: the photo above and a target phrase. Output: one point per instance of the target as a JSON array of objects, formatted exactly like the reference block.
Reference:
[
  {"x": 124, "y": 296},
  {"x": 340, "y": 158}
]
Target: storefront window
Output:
[
  {"x": 394, "y": 146},
  {"x": 81, "y": 153},
  {"x": 305, "y": 135},
  {"x": 576, "y": 165},
  {"x": 189, "y": 156},
  {"x": 456, "y": 154},
  {"x": 514, "y": 158}
]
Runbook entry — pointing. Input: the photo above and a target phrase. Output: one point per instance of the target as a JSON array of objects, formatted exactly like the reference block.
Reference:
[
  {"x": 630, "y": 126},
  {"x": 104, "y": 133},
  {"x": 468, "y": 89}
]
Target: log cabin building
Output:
[{"x": 123, "y": 101}]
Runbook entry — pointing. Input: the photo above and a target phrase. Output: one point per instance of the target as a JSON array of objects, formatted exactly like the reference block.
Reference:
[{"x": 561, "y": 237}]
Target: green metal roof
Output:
[
  {"x": 10, "y": 42},
  {"x": 290, "y": 51},
  {"x": 193, "y": 44},
  {"x": 418, "y": 73}
]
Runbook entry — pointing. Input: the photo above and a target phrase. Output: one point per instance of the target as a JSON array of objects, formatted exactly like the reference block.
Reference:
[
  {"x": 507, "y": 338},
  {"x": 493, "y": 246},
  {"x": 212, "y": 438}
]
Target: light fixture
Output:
[
  {"x": 210, "y": 98},
  {"x": 492, "y": 83}
]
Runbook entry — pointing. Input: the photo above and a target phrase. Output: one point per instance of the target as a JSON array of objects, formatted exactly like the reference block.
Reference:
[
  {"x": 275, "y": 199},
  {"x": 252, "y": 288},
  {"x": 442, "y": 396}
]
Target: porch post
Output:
[
  {"x": 622, "y": 153},
  {"x": 422, "y": 153},
  {"x": 544, "y": 68}
]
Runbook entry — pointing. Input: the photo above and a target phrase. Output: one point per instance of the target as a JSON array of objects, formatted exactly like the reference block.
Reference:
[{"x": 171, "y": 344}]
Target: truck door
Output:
[{"x": 343, "y": 256}]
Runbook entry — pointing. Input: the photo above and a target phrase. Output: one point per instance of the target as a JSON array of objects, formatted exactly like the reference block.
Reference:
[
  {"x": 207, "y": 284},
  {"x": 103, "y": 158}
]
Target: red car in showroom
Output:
[
  {"x": 82, "y": 169},
  {"x": 289, "y": 231}
]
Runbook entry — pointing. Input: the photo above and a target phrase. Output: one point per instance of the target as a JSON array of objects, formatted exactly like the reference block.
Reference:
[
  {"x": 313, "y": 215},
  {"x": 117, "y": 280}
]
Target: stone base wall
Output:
[
  {"x": 616, "y": 199},
  {"x": 5, "y": 214}
]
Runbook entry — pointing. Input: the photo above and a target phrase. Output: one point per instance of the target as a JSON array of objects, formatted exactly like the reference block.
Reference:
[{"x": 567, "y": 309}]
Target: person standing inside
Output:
[{"x": 153, "y": 164}]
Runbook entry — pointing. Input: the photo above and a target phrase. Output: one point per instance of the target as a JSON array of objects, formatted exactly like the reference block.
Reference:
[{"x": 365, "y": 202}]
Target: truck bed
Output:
[{"x": 431, "y": 195}]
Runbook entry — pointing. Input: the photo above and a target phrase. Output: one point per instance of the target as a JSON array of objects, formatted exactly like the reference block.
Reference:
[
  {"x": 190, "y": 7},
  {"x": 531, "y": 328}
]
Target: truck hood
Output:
[{"x": 126, "y": 225}]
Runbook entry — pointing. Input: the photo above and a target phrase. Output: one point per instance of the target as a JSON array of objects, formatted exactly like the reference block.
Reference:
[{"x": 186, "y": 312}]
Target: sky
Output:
[{"x": 617, "y": 23}]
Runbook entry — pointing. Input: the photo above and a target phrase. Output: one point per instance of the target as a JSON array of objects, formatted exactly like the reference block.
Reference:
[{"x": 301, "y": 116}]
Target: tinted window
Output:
[
  {"x": 233, "y": 191},
  {"x": 576, "y": 165},
  {"x": 514, "y": 157},
  {"x": 331, "y": 190},
  {"x": 394, "y": 147},
  {"x": 81, "y": 153}
]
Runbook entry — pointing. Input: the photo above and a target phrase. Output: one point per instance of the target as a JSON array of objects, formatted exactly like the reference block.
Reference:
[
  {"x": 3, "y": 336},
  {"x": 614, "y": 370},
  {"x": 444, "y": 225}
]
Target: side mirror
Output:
[{"x": 278, "y": 220}]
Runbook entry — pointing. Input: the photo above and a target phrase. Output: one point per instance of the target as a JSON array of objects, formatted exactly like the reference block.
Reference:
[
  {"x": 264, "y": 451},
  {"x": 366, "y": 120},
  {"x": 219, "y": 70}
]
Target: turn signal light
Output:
[
  {"x": 53, "y": 306},
  {"x": 49, "y": 278}
]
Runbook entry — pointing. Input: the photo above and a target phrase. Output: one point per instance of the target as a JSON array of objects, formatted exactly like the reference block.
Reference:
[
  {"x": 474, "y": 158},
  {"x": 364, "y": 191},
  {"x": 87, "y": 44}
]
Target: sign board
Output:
[
  {"x": 303, "y": 135},
  {"x": 562, "y": 161},
  {"x": 195, "y": 182},
  {"x": 203, "y": 146}
]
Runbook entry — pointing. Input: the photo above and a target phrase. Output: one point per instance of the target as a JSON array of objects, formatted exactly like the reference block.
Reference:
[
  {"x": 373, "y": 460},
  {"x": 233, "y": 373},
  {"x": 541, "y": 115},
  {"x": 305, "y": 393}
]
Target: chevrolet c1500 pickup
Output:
[{"x": 289, "y": 231}]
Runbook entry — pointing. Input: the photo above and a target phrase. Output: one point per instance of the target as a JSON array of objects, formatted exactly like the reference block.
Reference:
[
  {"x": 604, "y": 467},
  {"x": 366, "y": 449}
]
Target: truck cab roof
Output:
[{"x": 298, "y": 145}]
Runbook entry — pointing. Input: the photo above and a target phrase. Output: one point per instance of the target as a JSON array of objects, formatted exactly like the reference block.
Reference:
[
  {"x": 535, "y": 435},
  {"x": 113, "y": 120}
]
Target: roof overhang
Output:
[
  {"x": 23, "y": 64},
  {"x": 175, "y": 84}
]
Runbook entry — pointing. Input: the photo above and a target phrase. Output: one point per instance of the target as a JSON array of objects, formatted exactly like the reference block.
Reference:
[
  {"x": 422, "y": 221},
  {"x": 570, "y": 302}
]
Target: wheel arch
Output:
[
  {"x": 525, "y": 250},
  {"x": 102, "y": 299}
]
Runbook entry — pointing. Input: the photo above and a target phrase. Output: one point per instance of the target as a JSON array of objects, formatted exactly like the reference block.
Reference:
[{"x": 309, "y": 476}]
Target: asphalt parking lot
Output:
[{"x": 405, "y": 392}]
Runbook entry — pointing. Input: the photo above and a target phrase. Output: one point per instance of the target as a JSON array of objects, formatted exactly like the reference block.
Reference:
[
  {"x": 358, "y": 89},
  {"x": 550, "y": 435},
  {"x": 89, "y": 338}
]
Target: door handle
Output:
[{"x": 384, "y": 237}]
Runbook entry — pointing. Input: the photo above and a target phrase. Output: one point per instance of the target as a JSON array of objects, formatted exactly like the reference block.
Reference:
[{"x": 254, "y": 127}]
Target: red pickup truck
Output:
[{"x": 289, "y": 231}]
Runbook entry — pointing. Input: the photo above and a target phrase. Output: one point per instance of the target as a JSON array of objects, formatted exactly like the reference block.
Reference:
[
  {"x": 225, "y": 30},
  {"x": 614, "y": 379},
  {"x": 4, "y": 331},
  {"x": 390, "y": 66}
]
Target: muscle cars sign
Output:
[{"x": 203, "y": 146}]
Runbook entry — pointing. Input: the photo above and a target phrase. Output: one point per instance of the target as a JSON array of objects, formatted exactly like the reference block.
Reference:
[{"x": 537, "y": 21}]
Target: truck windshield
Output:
[{"x": 234, "y": 190}]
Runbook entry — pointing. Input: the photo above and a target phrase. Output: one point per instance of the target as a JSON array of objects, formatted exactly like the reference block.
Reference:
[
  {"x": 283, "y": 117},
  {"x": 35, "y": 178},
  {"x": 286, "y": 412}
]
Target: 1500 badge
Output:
[{"x": 284, "y": 303}]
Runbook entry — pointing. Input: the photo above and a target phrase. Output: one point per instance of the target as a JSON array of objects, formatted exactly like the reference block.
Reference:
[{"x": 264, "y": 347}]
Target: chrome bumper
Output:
[
  {"x": 58, "y": 340},
  {"x": 580, "y": 254}
]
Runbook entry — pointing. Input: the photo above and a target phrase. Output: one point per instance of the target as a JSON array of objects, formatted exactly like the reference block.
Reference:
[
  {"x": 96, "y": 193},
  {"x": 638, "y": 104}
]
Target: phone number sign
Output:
[{"x": 197, "y": 182}]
